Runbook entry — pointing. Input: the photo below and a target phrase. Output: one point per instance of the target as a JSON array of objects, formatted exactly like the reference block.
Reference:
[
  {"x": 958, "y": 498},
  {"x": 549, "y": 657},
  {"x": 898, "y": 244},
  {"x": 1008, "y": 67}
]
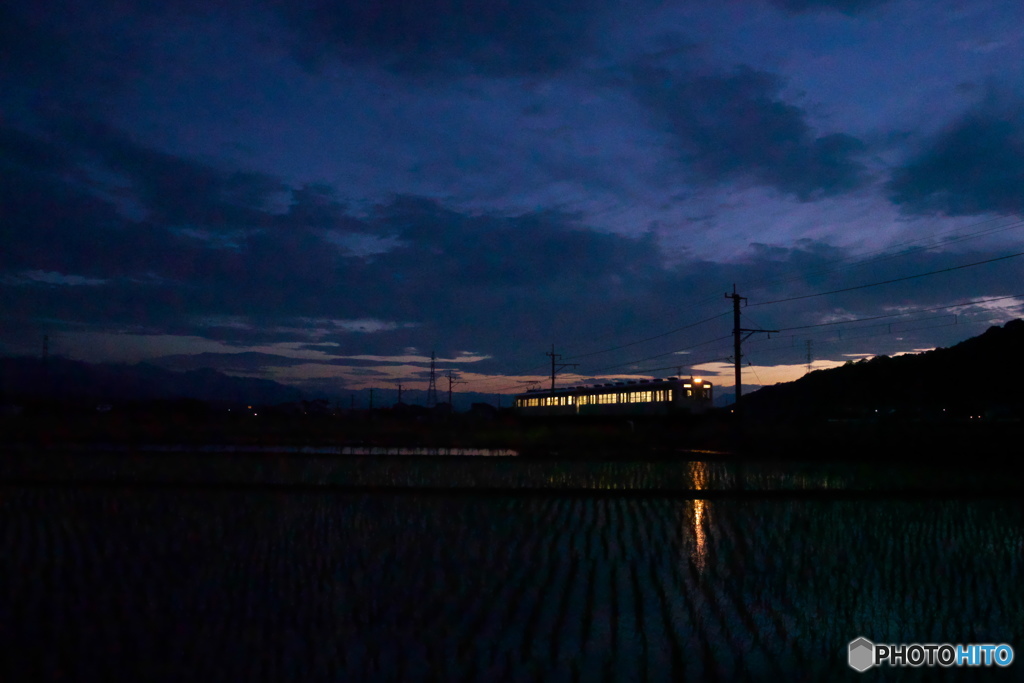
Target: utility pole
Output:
[
  {"x": 451, "y": 381},
  {"x": 399, "y": 392},
  {"x": 432, "y": 387},
  {"x": 810, "y": 345},
  {"x": 737, "y": 343},
  {"x": 371, "y": 399},
  {"x": 557, "y": 367}
]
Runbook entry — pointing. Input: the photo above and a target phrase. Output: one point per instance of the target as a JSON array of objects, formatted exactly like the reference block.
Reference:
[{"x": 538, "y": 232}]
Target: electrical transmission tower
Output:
[
  {"x": 557, "y": 367},
  {"x": 810, "y": 356},
  {"x": 737, "y": 342},
  {"x": 432, "y": 387}
]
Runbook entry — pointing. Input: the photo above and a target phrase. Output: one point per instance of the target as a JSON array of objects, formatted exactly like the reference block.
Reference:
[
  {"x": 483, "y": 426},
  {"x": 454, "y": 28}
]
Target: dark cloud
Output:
[
  {"x": 168, "y": 266},
  {"x": 248, "y": 362},
  {"x": 283, "y": 278},
  {"x": 498, "y": 38},
  {"x": 536, "y": 249},
  {"x": 53, "y": 224},
  {"x": 976, "y": 166},
  {"x": 175, "y": 190},
  {"x": 283, "y": 271},
  {"x": 736, "y": 125},
  {"x": 317, "y": 206},
  {"x": 498, "y": 285},
  {"x": 844, "y": 6},
  {"x": 24, "y": 152},
  {"x": 70, "y": 55}
]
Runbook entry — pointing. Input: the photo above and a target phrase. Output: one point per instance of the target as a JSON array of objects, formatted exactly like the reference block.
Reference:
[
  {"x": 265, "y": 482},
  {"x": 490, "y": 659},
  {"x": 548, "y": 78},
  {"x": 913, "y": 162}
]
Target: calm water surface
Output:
[{"x": 116, "y": 584}]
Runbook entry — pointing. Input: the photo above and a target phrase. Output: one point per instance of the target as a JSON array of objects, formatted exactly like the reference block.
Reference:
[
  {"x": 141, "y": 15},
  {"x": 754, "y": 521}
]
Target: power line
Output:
[
  {"x": 903, "y": 313},
  {"x": 888, "y": 282},
  {"x": 450, "y": 376},
  {"x": 691, "y": 362},
  {"x": 705, "y": 361},
  {"x": 691, "y": 307},
  {"x": 657, "y": 336},
  {"x": 662, "y": 355},
  {"x": 622, "y": 346},
  {"x": 956, "y": 238},
  {"x": 557, "y": 367},
  {"x": 957, "y": 322},
  {"x": 885, "y": 257},
  {"x": 867, "y": 327},
  {"x": 804, "y": 327}
]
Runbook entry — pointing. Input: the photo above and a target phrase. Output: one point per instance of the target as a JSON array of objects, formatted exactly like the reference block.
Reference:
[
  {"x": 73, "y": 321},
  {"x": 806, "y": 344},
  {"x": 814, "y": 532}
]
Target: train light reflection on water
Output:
[{"x": 698, "y": 482}]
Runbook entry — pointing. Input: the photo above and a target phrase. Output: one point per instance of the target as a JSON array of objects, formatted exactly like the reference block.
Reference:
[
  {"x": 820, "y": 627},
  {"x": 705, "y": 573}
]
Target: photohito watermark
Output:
[{"x": 863, "y": 654}]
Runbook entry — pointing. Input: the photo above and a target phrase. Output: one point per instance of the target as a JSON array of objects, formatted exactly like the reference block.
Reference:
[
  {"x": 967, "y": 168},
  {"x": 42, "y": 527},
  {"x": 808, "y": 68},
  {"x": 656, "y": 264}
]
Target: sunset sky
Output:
[{"x": 323, "y": 193}]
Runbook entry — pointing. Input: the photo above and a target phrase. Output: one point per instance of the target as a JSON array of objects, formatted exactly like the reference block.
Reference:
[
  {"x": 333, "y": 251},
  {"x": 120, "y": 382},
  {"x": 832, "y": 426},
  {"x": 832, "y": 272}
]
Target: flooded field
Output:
[
  {"x": 499, "y": 471},
  {"x": 122, "y": 584}
]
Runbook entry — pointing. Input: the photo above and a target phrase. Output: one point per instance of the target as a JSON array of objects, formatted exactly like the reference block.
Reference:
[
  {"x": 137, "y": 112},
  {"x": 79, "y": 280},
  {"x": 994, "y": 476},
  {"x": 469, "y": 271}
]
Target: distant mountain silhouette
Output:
[
  {"x": 982, "y": 374},
  {"x": 726, "y": 399},
  {"x": 62, "y": 379}
]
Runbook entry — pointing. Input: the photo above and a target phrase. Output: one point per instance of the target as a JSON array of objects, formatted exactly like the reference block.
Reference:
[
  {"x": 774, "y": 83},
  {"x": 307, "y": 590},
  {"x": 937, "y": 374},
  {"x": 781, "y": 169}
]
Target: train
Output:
[{"x": 627, "y": 398}]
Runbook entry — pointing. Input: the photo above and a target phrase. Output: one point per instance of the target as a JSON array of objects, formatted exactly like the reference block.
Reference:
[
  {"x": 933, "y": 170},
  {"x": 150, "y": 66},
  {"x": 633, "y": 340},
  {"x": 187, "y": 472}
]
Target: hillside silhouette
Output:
[
  {"x": 979, "y": 378},
  {"x": 61, "y": 379}
]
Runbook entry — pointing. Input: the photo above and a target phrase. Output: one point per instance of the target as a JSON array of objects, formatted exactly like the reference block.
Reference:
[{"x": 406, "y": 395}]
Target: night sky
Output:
[{"x": 324, "y": 193}]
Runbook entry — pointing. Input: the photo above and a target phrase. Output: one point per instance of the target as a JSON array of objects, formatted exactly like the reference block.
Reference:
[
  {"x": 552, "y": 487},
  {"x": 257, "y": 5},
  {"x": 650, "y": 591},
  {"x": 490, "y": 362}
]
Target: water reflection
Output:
[
  {"x": 416, "y": 468},
  {"x": 698, "y": 482},
  {"x": 163, "y": 584}
]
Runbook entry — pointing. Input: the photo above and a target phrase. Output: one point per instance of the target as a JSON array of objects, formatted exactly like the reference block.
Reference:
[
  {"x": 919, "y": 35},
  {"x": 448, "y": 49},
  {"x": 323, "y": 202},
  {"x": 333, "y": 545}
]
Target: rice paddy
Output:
[{"x": 123, "y": 584}]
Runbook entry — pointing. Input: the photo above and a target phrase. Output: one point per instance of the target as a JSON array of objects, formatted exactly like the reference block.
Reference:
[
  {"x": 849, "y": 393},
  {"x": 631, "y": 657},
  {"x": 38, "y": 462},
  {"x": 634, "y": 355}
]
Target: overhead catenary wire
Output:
[
  {"x": 803, "y": 327},
  {"x": 956, "y": 238},
  {"x": 862, "y": 261},
  {"x": 903, "y": 313},
  {"x": 972, "y": 302},
  {"x": 662, "y": 355},
  {"x": 889, "y": 282},
  {"x": 657, "y": 336},
  {"x": 772, "y": 351}
]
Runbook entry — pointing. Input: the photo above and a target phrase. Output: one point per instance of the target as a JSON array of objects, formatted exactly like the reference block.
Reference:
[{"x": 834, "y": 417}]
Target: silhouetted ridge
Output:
[
  {"x": 984, "y": 373},
  {"x": 62, "y": 379}
]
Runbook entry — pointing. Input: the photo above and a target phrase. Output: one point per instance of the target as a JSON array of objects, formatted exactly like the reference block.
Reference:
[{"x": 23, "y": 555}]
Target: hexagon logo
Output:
[{"x": 861, "y": 654}]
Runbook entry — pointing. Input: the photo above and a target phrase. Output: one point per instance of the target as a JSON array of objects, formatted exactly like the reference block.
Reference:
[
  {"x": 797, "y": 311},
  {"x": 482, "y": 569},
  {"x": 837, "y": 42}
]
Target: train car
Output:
[{"x": 633, "y": 397}]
